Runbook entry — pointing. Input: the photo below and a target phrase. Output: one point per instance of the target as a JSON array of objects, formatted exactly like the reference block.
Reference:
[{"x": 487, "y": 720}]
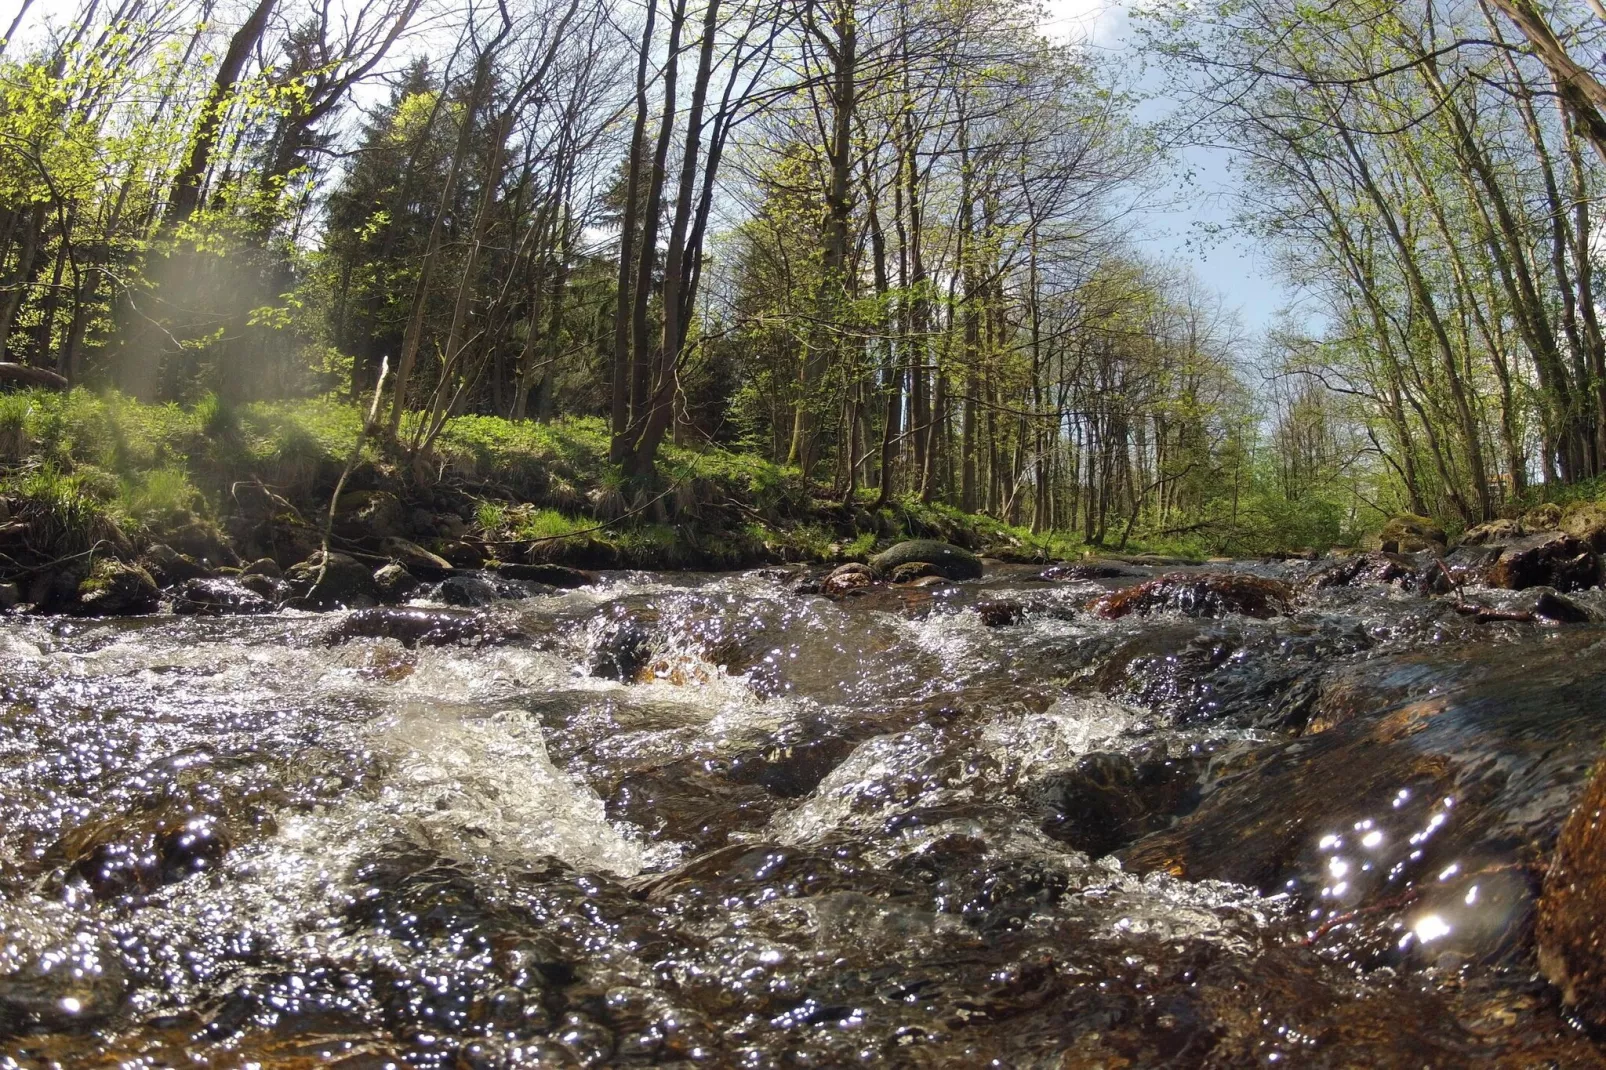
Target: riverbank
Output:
[{"x": 86, "y": 475}]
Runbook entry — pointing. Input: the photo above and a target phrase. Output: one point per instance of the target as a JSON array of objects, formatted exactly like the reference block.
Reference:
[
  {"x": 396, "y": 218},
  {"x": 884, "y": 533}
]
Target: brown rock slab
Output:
[
  {"x": 1571, "y": 930},
  {"x": 1205, "y": 594},
  {"x": 1553, "y": 559}
]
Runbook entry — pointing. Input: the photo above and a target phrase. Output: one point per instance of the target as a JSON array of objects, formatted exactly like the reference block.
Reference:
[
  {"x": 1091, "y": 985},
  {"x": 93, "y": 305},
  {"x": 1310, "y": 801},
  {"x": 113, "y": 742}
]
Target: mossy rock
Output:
[
  {"x": 115, "y": 588},
  {"x": 1408, "y": 533},
  {"x": 910, "y": 571},
  {"x": 1493, "y": 532},
  {"x": 953, "y": 562},
  {"x": 1546, "y": 517},
  {"x": 1586, "y": 522}
]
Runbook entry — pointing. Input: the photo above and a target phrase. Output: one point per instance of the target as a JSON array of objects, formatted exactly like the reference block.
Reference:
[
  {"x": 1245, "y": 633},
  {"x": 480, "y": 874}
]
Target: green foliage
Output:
[
  {"x": 217, "y": 416},
  {"x": 547, "y": 524},
  {"x": 67, "y": 513},
  {"x": 160, "y": 494}
]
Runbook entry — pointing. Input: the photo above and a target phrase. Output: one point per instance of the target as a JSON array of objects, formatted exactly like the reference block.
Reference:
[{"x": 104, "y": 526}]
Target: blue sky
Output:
[{"x": 1226, "y": 261}]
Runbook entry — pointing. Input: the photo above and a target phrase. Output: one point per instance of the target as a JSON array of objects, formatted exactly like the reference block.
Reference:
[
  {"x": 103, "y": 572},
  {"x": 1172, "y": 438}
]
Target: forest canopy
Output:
[{"x": 889, "y": 243}]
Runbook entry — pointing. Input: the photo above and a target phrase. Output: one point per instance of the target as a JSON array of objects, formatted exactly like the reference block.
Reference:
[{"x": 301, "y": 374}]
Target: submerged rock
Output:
[
  {"x": 121, "y": 857},
  {"x": 1106, "y": 800},
  {"x": 116, "y": 589},
  {"x": 849, "y": 577},
  {"x": 950, "y": 560},
  {"x": 999, "y": 613},
  {"x": 1410, "y": 819},
  {"x": 1571, "y": 931},
  {"x": 1553, "y": 559},
  {"x": 1091, "y": 570},
  {"x": 1209, "y": 594},
  {"x": 620, "y": 648},
  {"x": 415, "y": 626}
]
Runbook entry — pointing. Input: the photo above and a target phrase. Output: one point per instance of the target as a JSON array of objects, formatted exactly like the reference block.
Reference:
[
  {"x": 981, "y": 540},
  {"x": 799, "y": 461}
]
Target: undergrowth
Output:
[{"x": 104, "y": 455}]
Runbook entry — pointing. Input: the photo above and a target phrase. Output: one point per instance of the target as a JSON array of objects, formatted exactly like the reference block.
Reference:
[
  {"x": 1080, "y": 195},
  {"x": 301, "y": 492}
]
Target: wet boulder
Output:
[
  {"x": 952, "y": 561},
  {"x": 1377, "y": 568},
  {"x": 395, "y": 583},
  {"x": 1408, "y": 533},
  {"x": 343, "y": 582},
  {"x": 263, "y": 566},
  {"x": 1571, "y": 932},
  {"x": 1469, "y": 561},
  {"x": 265, "y": 586},
  {"x": 1586, "y": 522},
  {"x": 1559, "y": 608},
  {"x": 1409, "y": 819},
  {"x": 414, "y": 626},
  {"x": 1204, "y": 594},
  {"x": 466, "y": 591},
  {"x": 850, "y": 577},
  {"x": 910, "y": 571},
  {"x": 217, "y": 598},
  {"x": 168, "y": 566},
  {"x": 460, "y": 553},
  {"x": 560, "y": 576},
  {"x": 413, "y": 557},
  {"x": 115, "y": 588},
  {"x": 1552, "y": 559}
]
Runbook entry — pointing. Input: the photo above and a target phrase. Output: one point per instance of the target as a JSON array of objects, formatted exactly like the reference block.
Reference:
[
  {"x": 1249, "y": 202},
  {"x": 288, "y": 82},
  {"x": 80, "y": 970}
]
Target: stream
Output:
[{"x": 704, "y": 819}]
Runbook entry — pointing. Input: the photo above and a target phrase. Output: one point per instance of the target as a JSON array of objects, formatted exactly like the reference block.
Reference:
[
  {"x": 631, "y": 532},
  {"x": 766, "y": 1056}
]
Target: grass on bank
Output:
[{"x": 92, "y": 455}]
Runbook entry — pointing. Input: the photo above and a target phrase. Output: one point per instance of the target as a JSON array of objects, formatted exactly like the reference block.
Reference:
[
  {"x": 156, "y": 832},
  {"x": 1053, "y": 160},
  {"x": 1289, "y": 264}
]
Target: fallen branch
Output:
[
  {"x": 31, "y": 376},
  {"x": 1488, "y": 614},
  {"x": 351, "y": 464}
]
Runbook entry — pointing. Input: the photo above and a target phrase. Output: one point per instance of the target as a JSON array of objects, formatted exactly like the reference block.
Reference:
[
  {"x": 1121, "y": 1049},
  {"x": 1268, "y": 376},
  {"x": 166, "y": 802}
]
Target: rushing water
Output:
[{"x": 797, "y": 833}]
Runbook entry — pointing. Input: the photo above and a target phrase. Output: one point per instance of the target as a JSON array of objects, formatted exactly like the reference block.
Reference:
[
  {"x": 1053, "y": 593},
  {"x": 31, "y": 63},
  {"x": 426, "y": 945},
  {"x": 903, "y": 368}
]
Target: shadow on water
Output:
[{"x": 709, "y": 821}]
